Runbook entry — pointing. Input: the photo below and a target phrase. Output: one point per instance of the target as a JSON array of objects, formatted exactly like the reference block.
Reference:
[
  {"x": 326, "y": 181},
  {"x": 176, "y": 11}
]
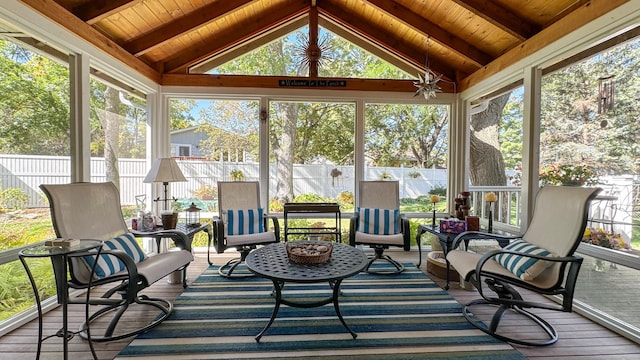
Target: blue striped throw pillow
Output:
[
  {"x": 242, "y": 222},
  {"x": 109, "y": 264},
  {"x": 378, "y": 221},
  {"x": 524, "y": 267}
]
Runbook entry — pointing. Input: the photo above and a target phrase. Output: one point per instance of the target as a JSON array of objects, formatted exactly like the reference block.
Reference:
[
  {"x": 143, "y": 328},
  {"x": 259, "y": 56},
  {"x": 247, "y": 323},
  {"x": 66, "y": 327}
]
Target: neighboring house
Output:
[{"x": 186, "y": 142}]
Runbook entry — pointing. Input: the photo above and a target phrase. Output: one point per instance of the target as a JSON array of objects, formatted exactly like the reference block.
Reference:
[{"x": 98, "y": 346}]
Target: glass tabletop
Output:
[{"x": 44, "y": 251}]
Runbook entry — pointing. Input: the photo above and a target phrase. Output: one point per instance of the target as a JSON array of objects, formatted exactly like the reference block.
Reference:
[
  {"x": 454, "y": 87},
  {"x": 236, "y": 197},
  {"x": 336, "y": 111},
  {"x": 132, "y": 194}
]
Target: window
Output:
[
  {"x": 118, "y": 121},
  {"x": 34, "y": 149},
  {"x": 221, "y": 138},
  {"x": 311, "y": 149},
  {"x": 495, "y": 155},
  {"x": 408, "y": 143},
  {"x": 180, "y": 150}
]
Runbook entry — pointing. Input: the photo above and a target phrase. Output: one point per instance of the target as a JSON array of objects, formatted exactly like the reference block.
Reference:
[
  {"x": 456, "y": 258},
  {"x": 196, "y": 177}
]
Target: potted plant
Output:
[{"x": 567, "y": 174}]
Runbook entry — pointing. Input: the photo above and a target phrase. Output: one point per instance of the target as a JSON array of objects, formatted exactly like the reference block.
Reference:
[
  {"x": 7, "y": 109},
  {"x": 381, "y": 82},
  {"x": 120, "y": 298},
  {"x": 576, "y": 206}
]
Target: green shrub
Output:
[
  {"x": 276, "y": 205},
  {"x": 310, "y": 198},
  {"x": 438, "y": 190},
  {"x": 237, "y": 175},
  {"x": 13, "y": 198},
  {"x": 345, "y": 199},
  {"x": 414, "y": 174},
  {"x": 206, "y": 192}
]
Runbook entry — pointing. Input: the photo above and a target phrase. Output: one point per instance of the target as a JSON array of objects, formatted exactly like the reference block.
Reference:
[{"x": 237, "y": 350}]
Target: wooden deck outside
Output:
[{"x": 579, "y": 337}]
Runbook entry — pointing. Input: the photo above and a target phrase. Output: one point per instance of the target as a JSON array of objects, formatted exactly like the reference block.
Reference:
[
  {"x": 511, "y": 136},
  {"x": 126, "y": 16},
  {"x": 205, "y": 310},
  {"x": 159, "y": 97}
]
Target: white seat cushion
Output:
[
  {"x": 466, "y": 261},
  {"x": 251, "y": 239},
  {"x": 157, "y": 266},
  {"x": 364, "y": 238}
]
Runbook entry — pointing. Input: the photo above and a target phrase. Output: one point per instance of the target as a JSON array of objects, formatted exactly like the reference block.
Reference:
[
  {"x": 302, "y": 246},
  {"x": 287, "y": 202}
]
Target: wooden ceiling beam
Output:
[
  {"x": 438, "y": 34},
  {"x": 501, "y": 17},
  {"x": 235, "y": 36},
  {"x": 72, "y": 23},
  {"x": 247, "y": 46},
  {"x": 356, "y": 39},
  {"x": 93, "y": 11},
  {"x": 580, "y": 17},
  {"x": 385, "y": 40},
  {"x": 273, "y": 82},
  {"x": 183, "y": 25}
]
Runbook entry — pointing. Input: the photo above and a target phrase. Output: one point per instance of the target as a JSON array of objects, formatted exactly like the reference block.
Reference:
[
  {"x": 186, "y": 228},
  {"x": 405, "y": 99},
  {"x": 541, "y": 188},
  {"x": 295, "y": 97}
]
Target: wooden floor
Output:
[{"x": 579, "y": 337}]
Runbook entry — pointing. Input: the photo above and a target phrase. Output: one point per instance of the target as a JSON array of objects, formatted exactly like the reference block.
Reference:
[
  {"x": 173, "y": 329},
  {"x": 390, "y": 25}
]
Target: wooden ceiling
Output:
[{"x": 468, "y": 39}]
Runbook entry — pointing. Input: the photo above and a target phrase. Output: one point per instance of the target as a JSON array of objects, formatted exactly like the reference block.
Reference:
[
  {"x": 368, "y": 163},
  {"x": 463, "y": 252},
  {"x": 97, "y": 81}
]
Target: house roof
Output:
[{"x": 469, "y": 40}]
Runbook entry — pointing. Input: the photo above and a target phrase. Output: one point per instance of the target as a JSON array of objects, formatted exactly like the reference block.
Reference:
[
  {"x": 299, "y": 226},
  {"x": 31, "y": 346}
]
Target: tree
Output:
[
  {"x": 485, "y": 156},
  {"x": 305, "y": 132},
  {"x": 409, "y": 135},
  {"x": 34, "y": 106},
  {"x": 111, "y": 135},
  {"x": 573, "y": 132}
]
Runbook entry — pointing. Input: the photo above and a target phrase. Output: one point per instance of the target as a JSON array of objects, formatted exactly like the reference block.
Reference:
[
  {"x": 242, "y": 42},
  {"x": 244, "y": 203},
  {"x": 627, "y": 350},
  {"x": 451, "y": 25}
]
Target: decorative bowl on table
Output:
[{"x": 309, "y": 252}]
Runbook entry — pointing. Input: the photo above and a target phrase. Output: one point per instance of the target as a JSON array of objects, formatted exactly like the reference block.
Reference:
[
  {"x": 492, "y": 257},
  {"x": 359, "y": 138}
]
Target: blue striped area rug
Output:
[{"x": 396, "y": 317}]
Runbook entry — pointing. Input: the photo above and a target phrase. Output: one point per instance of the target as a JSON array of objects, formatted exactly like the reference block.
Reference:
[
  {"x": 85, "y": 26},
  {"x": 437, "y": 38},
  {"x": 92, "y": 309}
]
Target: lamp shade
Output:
[{"x": 164, "y": 170}]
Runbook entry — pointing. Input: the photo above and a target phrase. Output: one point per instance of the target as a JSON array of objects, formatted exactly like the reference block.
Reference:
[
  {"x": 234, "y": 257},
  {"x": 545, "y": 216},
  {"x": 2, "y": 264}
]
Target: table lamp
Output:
[{"x": 164, "y": 170}]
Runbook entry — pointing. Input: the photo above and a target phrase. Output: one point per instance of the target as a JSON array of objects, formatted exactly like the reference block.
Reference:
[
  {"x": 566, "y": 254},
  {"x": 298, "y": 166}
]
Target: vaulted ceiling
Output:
[{"x": 468, "y": 39}]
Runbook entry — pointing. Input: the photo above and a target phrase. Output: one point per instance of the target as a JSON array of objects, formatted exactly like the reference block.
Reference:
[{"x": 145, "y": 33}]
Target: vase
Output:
[
  {"x": 433, "y": 218},
  {"x": 490, "y": 225}
]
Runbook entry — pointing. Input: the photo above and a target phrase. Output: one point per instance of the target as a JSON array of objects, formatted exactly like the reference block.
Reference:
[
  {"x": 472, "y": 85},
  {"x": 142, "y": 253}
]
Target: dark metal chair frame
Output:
[
  {"x": 244, "y": 195},
  {"x": 371, "y": 201},
  {"x": 503, "y": 284}
]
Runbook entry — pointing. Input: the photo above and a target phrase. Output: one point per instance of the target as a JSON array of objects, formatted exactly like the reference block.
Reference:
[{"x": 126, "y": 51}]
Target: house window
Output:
[{"x": 181, "y": 150}]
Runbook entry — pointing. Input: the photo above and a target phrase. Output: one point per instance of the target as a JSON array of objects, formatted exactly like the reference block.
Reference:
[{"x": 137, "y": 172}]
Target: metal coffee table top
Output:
[{"x": 272, "y": 262}]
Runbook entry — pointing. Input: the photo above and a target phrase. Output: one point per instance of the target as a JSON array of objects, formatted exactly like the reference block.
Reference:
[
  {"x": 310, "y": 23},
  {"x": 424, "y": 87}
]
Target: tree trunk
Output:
[
  {"x": 283, "y": 152},
  {"x": 486, "y": 161},
  {"x": 111, "y": 134}
]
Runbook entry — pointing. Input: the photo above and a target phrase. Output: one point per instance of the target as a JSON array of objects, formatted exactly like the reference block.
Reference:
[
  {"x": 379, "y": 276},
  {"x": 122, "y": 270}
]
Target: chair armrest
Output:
[
  {"x": 353, "y": 227},
  {"x": 492, "y": 253},
  {"x": 405, "y": 229},
  {"x": 218, "y": 235},
  {"x": 130, "y": 266},
  {"x": 503, "y": 240},
  {"x": 179, "y": 238},
  {"x": 276, "y": 225}
]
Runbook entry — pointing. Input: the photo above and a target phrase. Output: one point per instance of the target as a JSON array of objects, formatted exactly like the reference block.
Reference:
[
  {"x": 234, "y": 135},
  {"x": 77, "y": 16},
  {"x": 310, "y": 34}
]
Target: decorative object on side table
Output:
[
  {"x": 434, "y": 200},
  {"x": 164, "y": 170},
  {"x": 169, "y": 219},
  {"x": 193, "y": 215},
  {"x": 453, "y": 226},
  {"x": 473, "y": 223},
  {"x": 490, "y": 197}
]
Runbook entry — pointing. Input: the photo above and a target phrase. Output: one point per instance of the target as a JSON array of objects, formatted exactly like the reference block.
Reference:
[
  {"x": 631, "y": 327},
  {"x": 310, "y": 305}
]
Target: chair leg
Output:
[
  {"x": 165, "y": 306},
  {"x": 380, "y": 256},
  {"x": 507, "y": 292},
  {"x": 227, "y": 269}
]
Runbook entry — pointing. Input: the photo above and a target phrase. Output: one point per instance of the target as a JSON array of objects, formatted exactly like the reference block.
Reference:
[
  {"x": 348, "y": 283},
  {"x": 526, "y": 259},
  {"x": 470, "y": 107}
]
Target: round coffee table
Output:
[{"x": 271, "y": 262}]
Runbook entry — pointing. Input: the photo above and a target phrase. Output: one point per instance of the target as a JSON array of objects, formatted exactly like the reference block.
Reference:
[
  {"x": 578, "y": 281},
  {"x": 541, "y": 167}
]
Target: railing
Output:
[{"x": 506, "y": 209}]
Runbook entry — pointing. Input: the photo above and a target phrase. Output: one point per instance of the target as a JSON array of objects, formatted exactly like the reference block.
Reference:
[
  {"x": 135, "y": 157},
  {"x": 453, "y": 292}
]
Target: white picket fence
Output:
[{"x": 27, "y": 172}]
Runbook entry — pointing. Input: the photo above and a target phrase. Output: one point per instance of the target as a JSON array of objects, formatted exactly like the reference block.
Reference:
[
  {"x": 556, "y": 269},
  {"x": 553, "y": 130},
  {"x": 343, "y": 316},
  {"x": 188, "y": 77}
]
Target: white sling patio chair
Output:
[
  {"x": 541, "y": 261},
  {"x": 379, "y": 224},
  {"x": 93, "y": 211},
  {"x": 241, "y": 224}
]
